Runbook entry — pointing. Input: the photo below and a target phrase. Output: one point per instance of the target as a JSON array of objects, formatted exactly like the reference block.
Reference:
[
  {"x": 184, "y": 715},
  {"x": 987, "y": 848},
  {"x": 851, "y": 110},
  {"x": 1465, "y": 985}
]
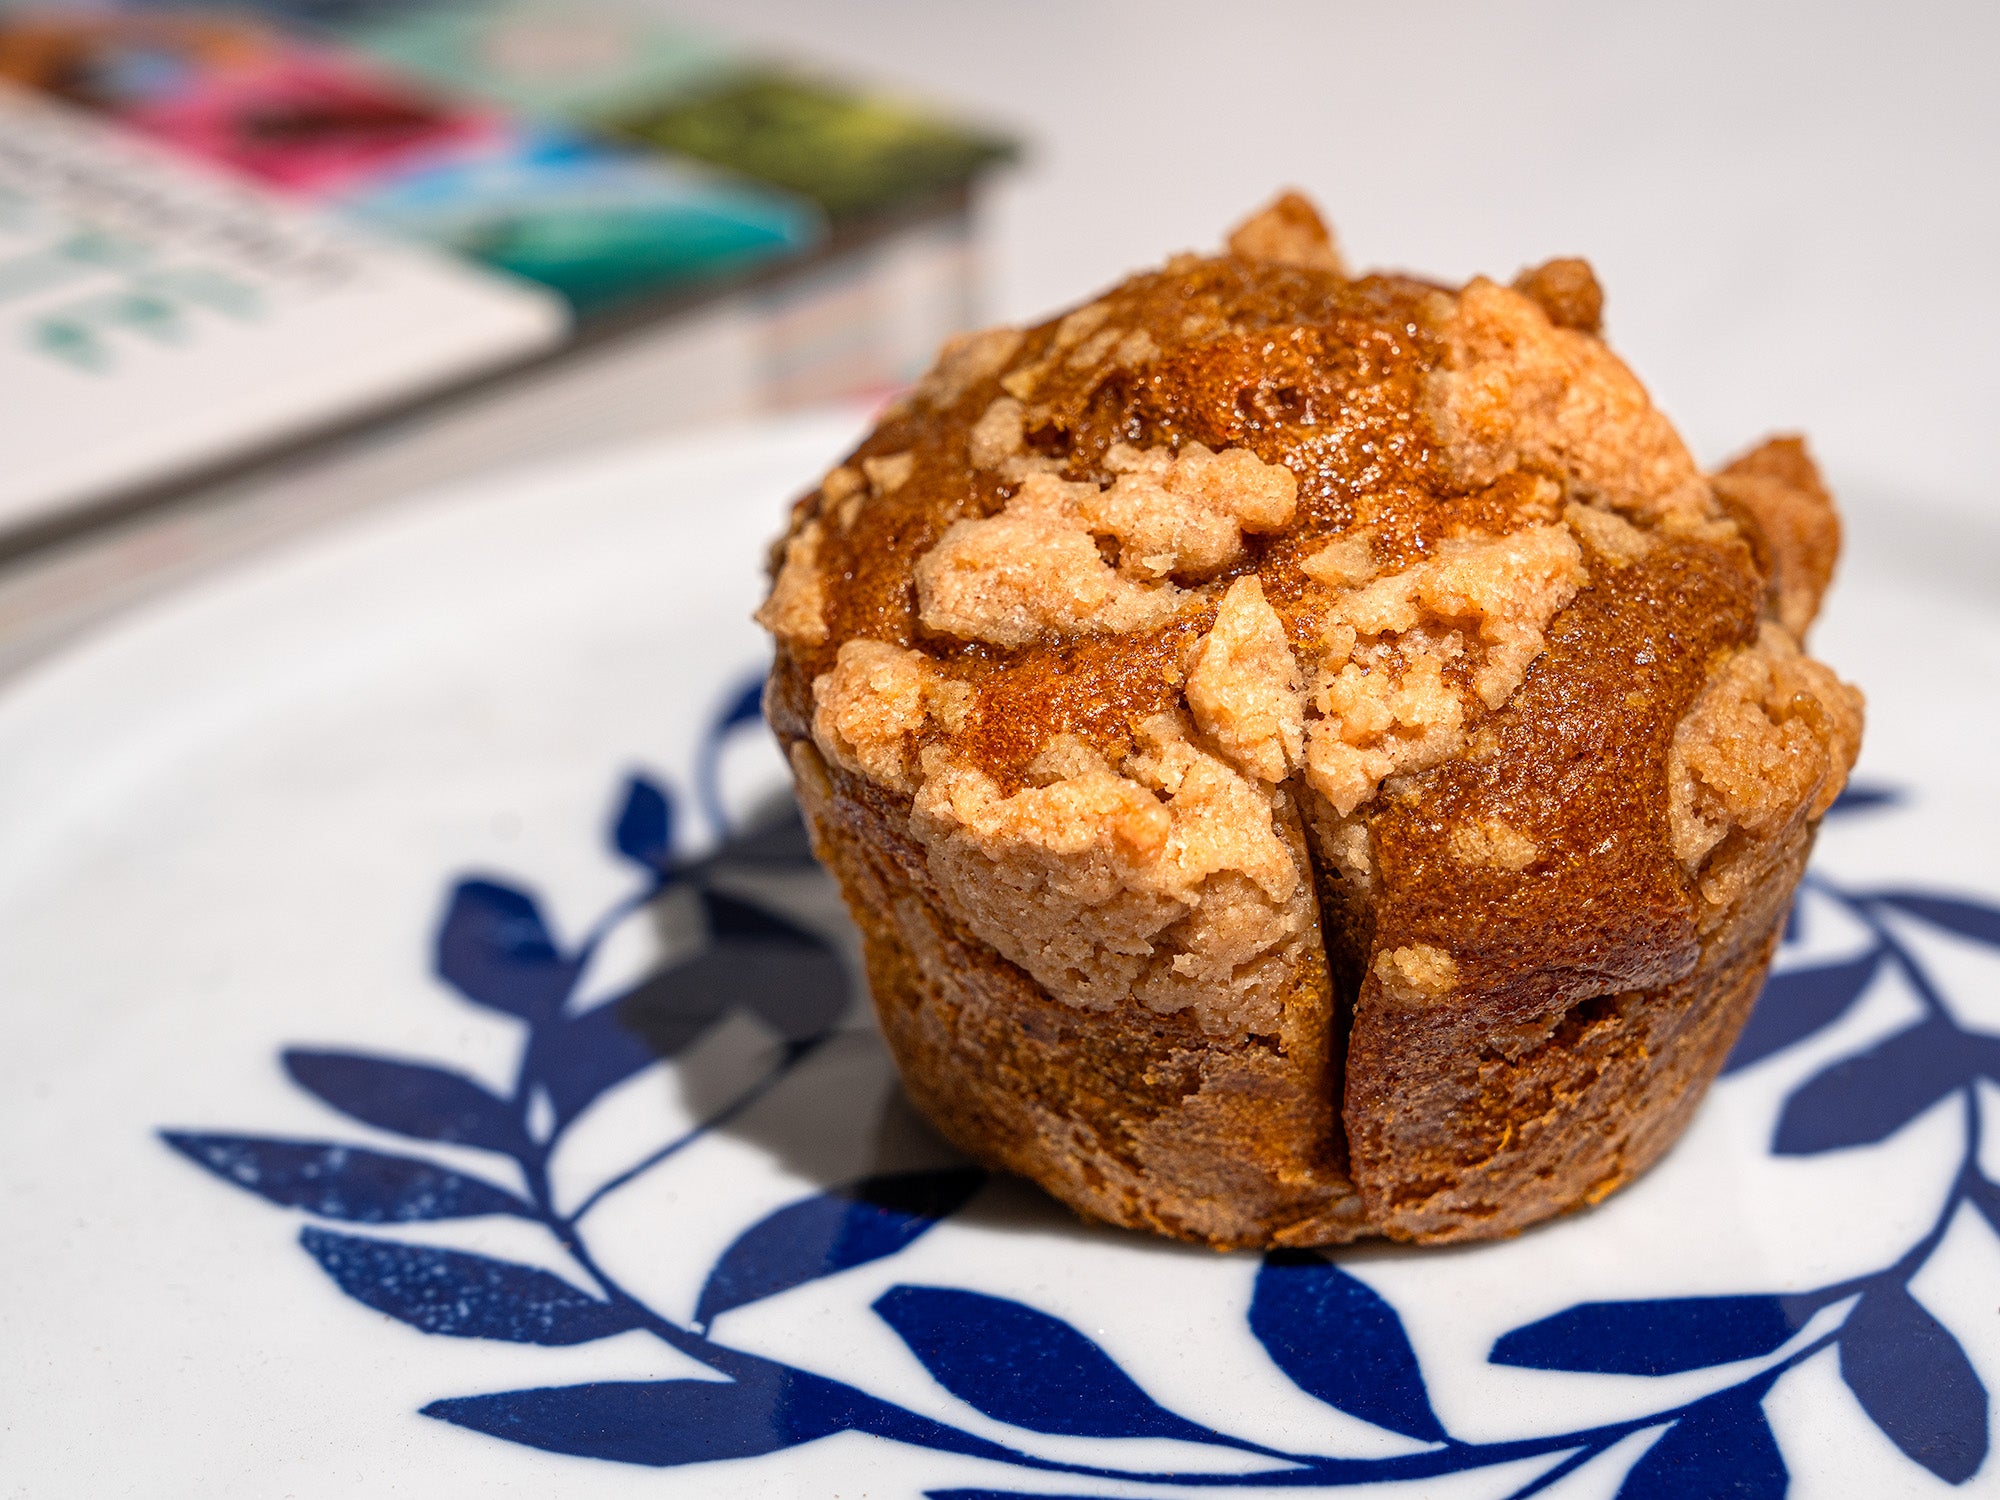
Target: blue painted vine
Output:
[{"x": 1331, "y": 1334}]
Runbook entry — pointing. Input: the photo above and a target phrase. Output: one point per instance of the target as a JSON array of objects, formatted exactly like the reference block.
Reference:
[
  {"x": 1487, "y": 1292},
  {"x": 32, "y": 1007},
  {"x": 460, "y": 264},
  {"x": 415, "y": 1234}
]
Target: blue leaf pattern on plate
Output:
[
  {"x": 1799, "y": 1002},
  {"x": 1337, "y": 1339},
  {"x": 659, "y": 1422},
  {"x": 1662, "y": 1336},
  {"x": 1868, "y": 1098},
  {"x": 1857, "y": 797},
  {"x": 755, "y": 961},
  {"x": 1022, "y": 1366},
  {"x": 644, "y": 829},
  {"x": 762, "y": 1408},
  {"x": 1721, "y": 1451},
  {"x": 344, "y": 1182},
  {"x": 1968, "y": 919},
  {"x": 578, "y": 1057},
  {"x": 495, "y": 949},
  {"x": 461, "y": 1295},
  {"x": 1915, "y": 1383},
  {"x": 831, "y": 1232},
  {"x": 744, "y": 706},
  {"x": 413, "y": 1099},
  {"x": 1332, "y": 1335},
  {"x": 773, "y": 968}
]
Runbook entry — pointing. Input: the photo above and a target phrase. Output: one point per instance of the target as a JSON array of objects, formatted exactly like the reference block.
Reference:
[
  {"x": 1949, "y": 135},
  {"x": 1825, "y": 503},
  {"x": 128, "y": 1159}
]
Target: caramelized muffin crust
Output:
[{"x": 1309, "y": 755}]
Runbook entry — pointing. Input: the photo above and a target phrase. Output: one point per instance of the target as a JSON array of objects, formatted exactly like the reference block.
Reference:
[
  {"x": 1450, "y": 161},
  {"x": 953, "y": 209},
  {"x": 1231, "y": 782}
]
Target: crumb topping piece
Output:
[
  {"x": 796, "y": 608},
  {"x": 1505, "y": 589},
  {"x": 998, "y": 435},
  {"x": 840, "y": 483},
  {"x": 1519, "y": 391},
  {"x": 1345, "y": 842},
  {"x": 1616, "y": 539},
  {"x": 1494, "y": 844},
  {"x": 1073, "y": 331},
  {"x": 1389, "y": 710},
  {"x": 1416, "y": 974},
  {"x": 1244, "y": 686},
  {"x": 1036, "y": 570},
  {"x": 1287, "y": 232},
  {"x": 1032, "y": 572},
  {"x": 1186, "y": 513},
  {"x": 1771, "y": 738},
  {"x": 965, "y": 361},
  {"x": 890, "y": 472},
  {"x": 1171, "y": 884},
  {"x": 868, "y": 711},
  {"x": 1567, "y": 290},
  {"x": 1346, "y": 562},
  {"x": 1779, "y": 485},
  {"x": 1385, "y": 704}
]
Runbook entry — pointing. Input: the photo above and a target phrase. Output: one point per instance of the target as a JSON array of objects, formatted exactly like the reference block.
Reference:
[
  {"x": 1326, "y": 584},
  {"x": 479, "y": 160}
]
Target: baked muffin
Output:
[{"x": 1310, "y": 755}]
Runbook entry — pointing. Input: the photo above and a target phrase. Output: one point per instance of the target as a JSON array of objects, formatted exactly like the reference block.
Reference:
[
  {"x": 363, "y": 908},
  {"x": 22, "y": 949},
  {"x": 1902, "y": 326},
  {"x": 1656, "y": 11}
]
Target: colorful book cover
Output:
[
  {"x": 158, "y": 314},
  {"x": 162, "y": 164},
  {"x": 600, "y": 66},
  {"x": 594, "y": 222},
  {"x": 309, "y": 112}
]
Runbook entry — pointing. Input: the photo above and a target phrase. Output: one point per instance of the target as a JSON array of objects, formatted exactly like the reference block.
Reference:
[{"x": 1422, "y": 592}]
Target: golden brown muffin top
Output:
[{"x": 1112, "y": 599}]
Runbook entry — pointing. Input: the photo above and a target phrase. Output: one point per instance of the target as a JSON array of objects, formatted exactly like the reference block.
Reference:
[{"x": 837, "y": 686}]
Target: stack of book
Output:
[{"x": 262, "y": 265}]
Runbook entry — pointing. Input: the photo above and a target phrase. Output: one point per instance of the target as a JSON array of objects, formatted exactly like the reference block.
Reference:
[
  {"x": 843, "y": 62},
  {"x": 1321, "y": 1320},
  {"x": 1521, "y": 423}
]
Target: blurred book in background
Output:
[{"x": 265, "y": 264}]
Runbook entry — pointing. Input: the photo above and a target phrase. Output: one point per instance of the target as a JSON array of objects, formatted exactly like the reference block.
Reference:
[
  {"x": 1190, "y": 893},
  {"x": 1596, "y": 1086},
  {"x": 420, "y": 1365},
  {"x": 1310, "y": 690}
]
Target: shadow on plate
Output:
[{"x": 757, "y": 928}]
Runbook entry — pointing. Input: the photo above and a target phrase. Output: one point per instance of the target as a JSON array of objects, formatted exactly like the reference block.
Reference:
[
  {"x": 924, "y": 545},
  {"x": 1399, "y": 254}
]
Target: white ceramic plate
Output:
[{"x": 324, "y": 1174}]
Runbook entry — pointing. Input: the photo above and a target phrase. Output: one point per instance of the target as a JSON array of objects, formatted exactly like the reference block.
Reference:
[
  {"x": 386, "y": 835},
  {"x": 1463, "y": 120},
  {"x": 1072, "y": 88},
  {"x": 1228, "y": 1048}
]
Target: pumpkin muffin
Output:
[{"x": 1310, "y": 754}]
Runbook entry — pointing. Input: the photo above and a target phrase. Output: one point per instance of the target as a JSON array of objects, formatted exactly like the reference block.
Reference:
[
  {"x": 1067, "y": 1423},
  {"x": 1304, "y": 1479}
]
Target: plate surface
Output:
[{"x": 434, "y": 1068}]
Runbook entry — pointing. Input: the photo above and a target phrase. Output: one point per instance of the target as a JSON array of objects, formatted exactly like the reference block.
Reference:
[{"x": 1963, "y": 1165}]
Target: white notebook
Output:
[{"x": 157, "y": 317}]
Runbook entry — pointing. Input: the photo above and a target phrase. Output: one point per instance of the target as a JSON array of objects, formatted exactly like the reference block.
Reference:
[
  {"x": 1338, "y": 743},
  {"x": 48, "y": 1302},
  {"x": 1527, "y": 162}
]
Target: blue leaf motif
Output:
[
  {"x": 664, "y": 1423},
  {"x": 660, "y": 1422},
  {"x": 1869, "y": 1097},
  {"x": 1660, "y": 1336},
  {"x": 1336, "y": 1339},
  {"x": 1968, "y": 919},
  {"x": 460, "y": 1295},
  {"x": 413, "y": 1099},
  {"x": 1021, "y": 1366},
  {"x": 344, "y": 1182},
  {"x": 1986, "y": 1198},
  {"x": 744, "y": 706},
  {"x": 1799, "y": 1002},
  {"x": 578, "y": 1057},
  {"x": 1915, "y": 1383},
  {"x": 1722, "y": 1450},
  {"x": 644, "y": 829},
  {"x": 494, "y": 948},
  {"x": 755, "y": 960},
  {"x": 832, "y": 1232}
]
